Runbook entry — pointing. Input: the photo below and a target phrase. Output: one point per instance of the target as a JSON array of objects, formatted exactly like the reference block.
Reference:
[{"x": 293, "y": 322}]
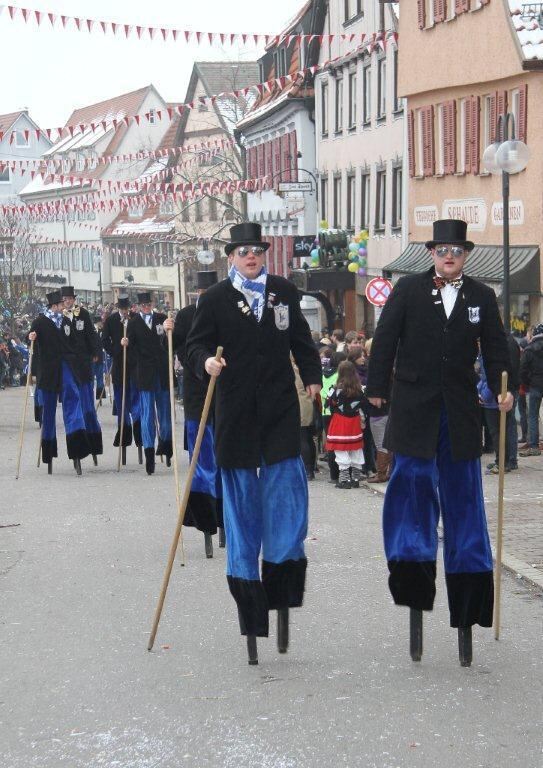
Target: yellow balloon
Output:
[
  {"x": 365, "y": 234},
  {"x": 353, "y": 266},
  {"x": 324, "y": 224}
]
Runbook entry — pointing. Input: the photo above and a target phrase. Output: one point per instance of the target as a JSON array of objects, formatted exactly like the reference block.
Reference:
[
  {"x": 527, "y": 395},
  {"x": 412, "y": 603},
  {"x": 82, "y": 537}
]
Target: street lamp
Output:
[
  {"x": 99, "y": 262},
  {"x": 506, "y": 156}
]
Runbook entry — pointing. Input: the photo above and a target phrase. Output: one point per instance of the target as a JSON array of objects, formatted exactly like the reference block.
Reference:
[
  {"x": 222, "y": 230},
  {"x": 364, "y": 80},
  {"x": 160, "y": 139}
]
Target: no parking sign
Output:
[{"x": 378, "y": 290}]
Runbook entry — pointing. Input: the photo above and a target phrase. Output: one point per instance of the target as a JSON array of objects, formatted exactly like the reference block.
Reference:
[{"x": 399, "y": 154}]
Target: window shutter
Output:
[
  {"x": 285, "y": 157},
  {"x": 411, "y": 141},
  {"x": 293, "y": 156},
  {"x": 475, "y": 134},
  {"x": 278, "y": 255},
  {"x": 428, "y": 141},
  {"x": 452, "y": 136},
  {"x": 493, "y": 118},
  {"x": 461, "y": 6},
  {"x": 251, "y": 163},
  {"x": 261, "y": 160},
  {"x": 522, "y": 113},
  {"x": 269, "y": 158},
  {"x": 439, "y": 10},
  {"x": 421, "y": 9},
  {"x": 448, "y": 137},
  {"x": 276, "y": 161},
  {"x": 467, "y": 135},
  {"x": 501, "y": 103}
]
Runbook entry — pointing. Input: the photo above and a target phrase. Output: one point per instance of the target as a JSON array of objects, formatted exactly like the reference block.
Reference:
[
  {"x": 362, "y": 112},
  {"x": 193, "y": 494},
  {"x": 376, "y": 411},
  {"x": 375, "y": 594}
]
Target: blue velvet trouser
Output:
[
  {"x": 74, "y": 423},
  {"x": 419, "y": 491},
  {"x": 204, "y": 509},
  {"x": 150, "y": 400},
  {"x": 94, "y": 431},
  {"x": 132, "y": 413},
  {"x": 98, "y": 373},
  {"x": 266, "y": 510}
]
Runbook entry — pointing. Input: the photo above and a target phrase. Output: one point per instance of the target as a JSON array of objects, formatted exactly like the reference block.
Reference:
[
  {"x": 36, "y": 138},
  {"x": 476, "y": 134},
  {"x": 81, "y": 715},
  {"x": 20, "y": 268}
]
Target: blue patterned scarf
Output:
[
  {"x": 253, "y": 290},
  {"x": 56, "y": 317}
]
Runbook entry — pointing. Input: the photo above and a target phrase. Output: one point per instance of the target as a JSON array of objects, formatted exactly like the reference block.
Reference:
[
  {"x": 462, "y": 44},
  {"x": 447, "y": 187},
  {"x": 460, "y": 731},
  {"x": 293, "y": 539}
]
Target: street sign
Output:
[
  {"x": 378, "y": 290},
  {"x": 295, "y": 186}
]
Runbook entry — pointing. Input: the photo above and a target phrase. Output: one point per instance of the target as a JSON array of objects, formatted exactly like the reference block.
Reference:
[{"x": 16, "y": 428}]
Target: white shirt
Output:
[{"x": 448, "y": 296}]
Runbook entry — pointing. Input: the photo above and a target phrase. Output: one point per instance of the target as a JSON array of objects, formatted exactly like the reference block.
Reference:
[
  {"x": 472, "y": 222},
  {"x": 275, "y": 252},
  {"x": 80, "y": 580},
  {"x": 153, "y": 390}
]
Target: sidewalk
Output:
[{"x": 523, "y": 516}]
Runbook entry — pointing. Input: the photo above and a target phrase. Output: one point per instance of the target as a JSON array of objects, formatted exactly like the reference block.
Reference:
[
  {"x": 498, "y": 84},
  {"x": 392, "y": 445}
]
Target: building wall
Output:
[{"x": 32, "y": 151}]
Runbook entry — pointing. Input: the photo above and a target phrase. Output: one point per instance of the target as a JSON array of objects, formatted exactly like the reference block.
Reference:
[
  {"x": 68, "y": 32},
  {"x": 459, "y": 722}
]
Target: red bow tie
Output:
[{"x": 441, "y": 282}]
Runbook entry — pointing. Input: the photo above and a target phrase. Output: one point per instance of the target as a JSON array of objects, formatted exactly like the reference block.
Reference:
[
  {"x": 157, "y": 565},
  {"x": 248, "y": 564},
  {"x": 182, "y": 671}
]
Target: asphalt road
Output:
[{"x": 80, "y": 574}]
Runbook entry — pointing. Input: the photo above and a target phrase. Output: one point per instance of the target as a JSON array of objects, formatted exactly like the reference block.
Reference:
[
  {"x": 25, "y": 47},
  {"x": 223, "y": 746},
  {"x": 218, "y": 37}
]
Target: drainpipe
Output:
[{"x": 243, "y": 159}]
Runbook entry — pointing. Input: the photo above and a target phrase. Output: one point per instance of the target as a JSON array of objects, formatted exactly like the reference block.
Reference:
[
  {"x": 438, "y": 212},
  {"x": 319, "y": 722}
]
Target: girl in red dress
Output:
[{"x": 345, "y": 431}]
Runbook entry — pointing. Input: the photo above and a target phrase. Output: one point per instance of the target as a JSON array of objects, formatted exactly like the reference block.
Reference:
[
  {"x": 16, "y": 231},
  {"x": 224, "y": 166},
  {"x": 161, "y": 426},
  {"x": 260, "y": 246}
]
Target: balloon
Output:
[
  {"x": 363, "y": 262},
  {"x": 353, "y": 247},
  {"x": 362, "y": 251},
  {"x": 324, "y": 224},
  {"x": 365, "y": 234},
  {"x": 362, "y": 271},
  {"x": 315, "y": 254},
  {"x": 353, "y": 267}
]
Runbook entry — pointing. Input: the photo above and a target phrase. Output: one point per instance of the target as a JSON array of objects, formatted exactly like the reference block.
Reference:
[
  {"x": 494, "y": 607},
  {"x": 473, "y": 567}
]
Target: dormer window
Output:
[
  {"x": 22, "y": 139},
  {"x": 135, "y": 212},
  {"x": 80, "y": 162},
  {"x": 66, "y": 164},
  {"x": 152, "y": 117}
]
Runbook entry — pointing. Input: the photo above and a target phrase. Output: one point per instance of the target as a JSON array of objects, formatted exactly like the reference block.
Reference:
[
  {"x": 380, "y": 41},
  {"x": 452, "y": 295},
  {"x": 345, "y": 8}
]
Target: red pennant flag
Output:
[
  {"x": 126, "y": 119},
  {"x": 138, "y": 32},
  {"x": 164, "y": 33},
  {"x": 198, "y": 36},
  {"x": 187, "y": 35},
  {"x": 89, "y": 23},
  {"x": 127, "y": 29},
  {"x": 232, "y": 38},
  {"x": 159, "y": 114},
  {"x": 37, "y": 14},
  {"x": 52, "y": 18},
  {"x": 114, "y": 27},
  {"x": 77, "y": 22},
  {"x": 222, "y": 37},
  {"x": 152, "y": 32},
  {"x": 244, "y": 38},
  {"x": 256, "y": 39},
  {"x": 210, "y": 36},
  {"x": 64, "y": 19},
  {"x": 104, "y": 26},
  {"x": 170, "y": 113},
  {"x": 11, "y": 10},
  {"x": 175, "y": 32},
  {"x": 137, "y": 119}
]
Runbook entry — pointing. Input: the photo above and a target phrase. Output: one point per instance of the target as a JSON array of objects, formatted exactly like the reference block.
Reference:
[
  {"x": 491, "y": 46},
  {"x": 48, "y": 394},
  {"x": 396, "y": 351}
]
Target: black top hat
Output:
[
  {"x": 144, "y": 297},
  {"x": 123, "y": 302},
  {"x": 205, "y": 280},
  {"x": 54, "y": 298},
  {"x": 451, "y": 232},
  {"x": 68, "y": 290},
  {"x": 246, "y": 233}
]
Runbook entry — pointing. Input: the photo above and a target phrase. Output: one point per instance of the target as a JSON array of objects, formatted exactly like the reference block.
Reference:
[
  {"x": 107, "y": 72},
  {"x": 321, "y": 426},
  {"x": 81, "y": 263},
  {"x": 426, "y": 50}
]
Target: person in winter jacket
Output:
[{"x": 531, "y": 376}]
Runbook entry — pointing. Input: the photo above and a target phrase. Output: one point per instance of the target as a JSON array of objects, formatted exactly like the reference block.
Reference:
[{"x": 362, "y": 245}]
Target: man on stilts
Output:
[
  {"x": 87, "y": 348},
  {"x": 112, "y": 336},
  {"x": 204, "y": 509},
  {"x": 147, "y": 339},
  {"x": 257, "y": 319},
  {"x": 57, "y": 375},
  {"x": 429, "y": 332}
]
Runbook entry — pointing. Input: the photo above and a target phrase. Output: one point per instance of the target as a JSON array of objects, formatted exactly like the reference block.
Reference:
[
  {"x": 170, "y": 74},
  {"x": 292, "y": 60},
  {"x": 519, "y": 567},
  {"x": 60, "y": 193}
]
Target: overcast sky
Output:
[{"x": 52, "y": 71}]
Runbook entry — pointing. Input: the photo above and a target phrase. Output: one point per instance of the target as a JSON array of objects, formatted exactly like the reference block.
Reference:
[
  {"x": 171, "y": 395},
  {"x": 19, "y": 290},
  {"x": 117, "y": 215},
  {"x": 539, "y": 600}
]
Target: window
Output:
[
  {"x": 380, "y": 200},
  {"x": 381, "y": 88},
  {"x": 80, "y": 162},
  {"x": 489, "y": 129},
  {"x": 135, "y": 212},
  {"x": 212, "y": 209},
  {"x": 85, "y": 259},
  {"x": 339, "y": 105},
  {"x": 198, "y": 209},
  {"x": 324, "y": 108},
  {"x": 365, "y": 200},
  {"x": 202, "y": 107},
  {"x": 65, "y": 259},
  {"x": 22, "y": 138},
  {"x": 352, "y": 9},
  {"x": 462, "y": 132},
  {"x": 397, "y": 197},
  {"x": 66, "y": 164},
  {"x": 337, "y": 202},
  {"x": 398, "y": 103},
  {"x": 352, "y": 99},
  {"x": 76, "y": 259},
  {"x": 366, "y": 83},
  {"x": 166, "y": 208},
  {"x": 440, "y": 155},
  {"x": 152, "y": 116},
  {"x": 47, "y": 258},
  {"x": 280, "y": 62},
  {"x": 261, "y": 74},
  {"x": 229, "y": 212},
  {"x": 92, "y": 161},
  {"x": 185, "y": 213},
  {"x": 324, "y": 198},
  {"x": 4, "y": 175},
  {"x": 351, "y": 201}
]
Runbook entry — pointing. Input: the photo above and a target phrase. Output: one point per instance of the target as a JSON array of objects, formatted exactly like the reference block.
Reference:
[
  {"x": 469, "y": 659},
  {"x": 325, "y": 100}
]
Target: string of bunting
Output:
[
  {"x": 107, "y": 122},
  {"x": 165, "y": 33}
]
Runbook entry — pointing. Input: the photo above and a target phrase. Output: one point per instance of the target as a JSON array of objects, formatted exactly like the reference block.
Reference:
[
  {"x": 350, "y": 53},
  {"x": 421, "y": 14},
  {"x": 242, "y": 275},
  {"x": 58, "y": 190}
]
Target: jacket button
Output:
[{"x": 444, "y": 358}]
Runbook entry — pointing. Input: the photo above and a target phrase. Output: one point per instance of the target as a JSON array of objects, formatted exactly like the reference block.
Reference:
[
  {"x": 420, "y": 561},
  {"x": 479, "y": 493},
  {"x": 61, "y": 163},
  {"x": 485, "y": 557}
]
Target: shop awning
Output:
[{"x": 484, "y": 263}]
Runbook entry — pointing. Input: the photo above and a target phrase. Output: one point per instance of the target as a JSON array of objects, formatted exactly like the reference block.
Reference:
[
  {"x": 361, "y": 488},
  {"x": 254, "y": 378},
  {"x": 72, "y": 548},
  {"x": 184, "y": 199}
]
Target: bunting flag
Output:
[
  {"x": 165, "y": 33},
  {"x": 269, "y": 86}
]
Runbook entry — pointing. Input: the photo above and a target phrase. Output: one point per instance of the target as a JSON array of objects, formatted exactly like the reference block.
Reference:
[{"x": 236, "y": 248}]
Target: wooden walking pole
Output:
[
  {"x": 499, "y": 539},
  {"x": 39, "y": 445},
  {"x": 23, "y": 419},
  {"x": 184, "y": 502},
  {"x": 123, "y": 401},
  {"x": 174, "y": 442}
]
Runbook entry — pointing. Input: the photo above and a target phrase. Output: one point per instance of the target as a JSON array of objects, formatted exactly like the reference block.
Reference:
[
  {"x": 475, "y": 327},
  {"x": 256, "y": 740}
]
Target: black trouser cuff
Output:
[
  {"x": 48, "y": 450},
  {"x": 471, "y": 598},
  {"x": 164, "y": 448},
  {"x": 284, "y": 583},
  {"x": 127, "y": 436},
  {"x": 202, "y": 512},
  {"x": 252, "y": 606},
  {"x": 95, "y": 442},
  {"x": 413, "y": 584},
  {"x": 77, "y": 444},
  {"x": 136, "y": 426}
]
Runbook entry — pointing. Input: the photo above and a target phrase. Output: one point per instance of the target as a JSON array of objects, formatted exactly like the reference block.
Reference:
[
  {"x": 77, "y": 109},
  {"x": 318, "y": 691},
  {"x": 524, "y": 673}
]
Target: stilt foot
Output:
[
  {"x": 415, "y": 634},
  {"x": 208, "y": 540},
  {"x": 50, "y": 467},
  {"x": 252, "y": 650},
  {"x": 222, "y": 539},
  {"x": 123, "y": 455},
  {"x": 465, "y": 646},
  {"x": 95, "y": 459},
  {"x": 282, "y": 630},
  {"x": 168, "y": 461},
  {"x": 77, "y": 466}
]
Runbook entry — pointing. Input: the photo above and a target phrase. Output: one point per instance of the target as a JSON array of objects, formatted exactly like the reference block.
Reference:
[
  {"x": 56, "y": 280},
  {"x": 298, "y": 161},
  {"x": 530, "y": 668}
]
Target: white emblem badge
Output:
[
  {"x": 67, "y": 330},
  {"x": 281, "y": 316},
  {"x": 473, "y": 314},
  {"x": 160, "y": 330},
  {"x": 79, "y": 325}
]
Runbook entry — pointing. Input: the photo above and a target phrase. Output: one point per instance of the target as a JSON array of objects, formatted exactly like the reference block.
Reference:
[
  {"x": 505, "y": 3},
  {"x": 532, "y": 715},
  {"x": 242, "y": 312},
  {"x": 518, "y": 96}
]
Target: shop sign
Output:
[
  {"x": 425, "y": 215},
  {"x": 471, "y": 210},
  {"x": 516, "y": 213}
]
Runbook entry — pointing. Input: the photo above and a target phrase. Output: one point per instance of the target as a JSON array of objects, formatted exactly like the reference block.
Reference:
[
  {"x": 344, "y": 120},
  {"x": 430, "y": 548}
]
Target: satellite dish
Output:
[{"x": 205, "y": 257}]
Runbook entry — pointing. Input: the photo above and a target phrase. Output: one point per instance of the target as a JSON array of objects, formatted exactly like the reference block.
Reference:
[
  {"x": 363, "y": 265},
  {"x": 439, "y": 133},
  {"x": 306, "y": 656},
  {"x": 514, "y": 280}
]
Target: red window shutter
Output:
[
  {"x": 277, "y": 161},
  {"x": 269, "y": 158},
  {"x": 411, "y": 141},
  {"x": 467, "y": 136},
  {"x": 285, "y": 156},
  {"x": 261, "y": 160},
  {"x": 475, "y": 134},
  {"x": 278, "y": 255},
  {"x": 461, "y": 6},
  {"x": 251, "y": 163},
  {"x": 501, "y": 103},
  {"x": 492, "y": 119},
  {"x": 439, "y": 10},
  {"x": 522, "y": 113},
  {"x": 428, "y": 141},
  {"x": 293, "y": 156},
  {"x": 421, "y": 11},
  {"x": 452, "y": 135},
  {"x": 445, "y": 137}
]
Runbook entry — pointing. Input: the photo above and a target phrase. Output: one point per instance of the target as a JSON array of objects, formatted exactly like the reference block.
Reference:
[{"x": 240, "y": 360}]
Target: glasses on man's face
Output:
[
  {"x": 456, "y": 251},
  {"x": 256, "y": 250}
]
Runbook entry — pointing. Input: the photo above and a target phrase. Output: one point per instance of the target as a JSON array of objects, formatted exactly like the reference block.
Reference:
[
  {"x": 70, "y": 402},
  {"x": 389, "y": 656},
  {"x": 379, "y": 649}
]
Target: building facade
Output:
[{"x": 462, "y": 64}]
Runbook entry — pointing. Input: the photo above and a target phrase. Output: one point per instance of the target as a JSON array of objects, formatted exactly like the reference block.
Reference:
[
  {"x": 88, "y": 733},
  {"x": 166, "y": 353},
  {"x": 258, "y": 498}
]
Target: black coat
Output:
[
  {"x": 194, "y": 388},
  {"x": 257, "y": 414},
  {"x": 85, "y": 340},
  {"x": 112, "y": 333},
  {"x": 531, "y": 365},
  {"x": 54, "y": 347},
  {"x": 433, "y": 359},
  {"x": 150, "y": 349}
]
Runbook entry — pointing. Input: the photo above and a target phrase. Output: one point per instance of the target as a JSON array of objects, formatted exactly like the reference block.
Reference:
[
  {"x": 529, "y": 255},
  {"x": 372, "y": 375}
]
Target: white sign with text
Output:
[
  {"x": 516, "y": 213},
  {"x": 425, "y": 215},
  {"x": 471, "y": 210}
]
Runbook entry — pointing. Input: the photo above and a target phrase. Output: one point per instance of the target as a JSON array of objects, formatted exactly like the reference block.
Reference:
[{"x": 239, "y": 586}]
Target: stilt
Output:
[
  {"x": 77, "y": 465},
  {"x": 123, "y": 455},
  {"x": 252, "y": 650},
  {"x": 50, "y": 467},
  {"x": 150, "y": 460},
  {"x": 282, "y": 630},
  {"x": 222, "y": 539},
  {"x": 168, "y": 461},
  {"x": 140, "y": 454},
  {"x": 465, "y": 647},
  {"x": 415, "y": 634},
  {"x": 95, "y": 459},
  {"x": 208, "y": 539}
]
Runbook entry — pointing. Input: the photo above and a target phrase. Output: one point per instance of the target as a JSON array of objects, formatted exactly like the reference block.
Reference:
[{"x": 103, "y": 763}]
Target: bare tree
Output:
[{"x": 17, "y": 266}]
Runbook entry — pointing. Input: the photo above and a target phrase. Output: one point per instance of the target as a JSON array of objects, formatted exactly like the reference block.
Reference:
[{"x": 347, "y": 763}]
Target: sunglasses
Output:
[
  {"x": 456, "y": 251},
  {"x": 256, "y": 250}
]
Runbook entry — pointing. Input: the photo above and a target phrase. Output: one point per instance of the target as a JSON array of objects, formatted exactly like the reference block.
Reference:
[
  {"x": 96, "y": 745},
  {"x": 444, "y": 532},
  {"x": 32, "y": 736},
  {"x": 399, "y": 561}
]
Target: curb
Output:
[{"x": 511, "y": 563}]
